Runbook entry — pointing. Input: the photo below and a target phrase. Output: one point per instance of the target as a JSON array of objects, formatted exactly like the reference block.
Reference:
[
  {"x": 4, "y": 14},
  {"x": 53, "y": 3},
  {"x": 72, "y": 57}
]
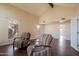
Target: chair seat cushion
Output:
[
  {"x": 41, "y": 51},
  {"x": 38, "y": 49}
]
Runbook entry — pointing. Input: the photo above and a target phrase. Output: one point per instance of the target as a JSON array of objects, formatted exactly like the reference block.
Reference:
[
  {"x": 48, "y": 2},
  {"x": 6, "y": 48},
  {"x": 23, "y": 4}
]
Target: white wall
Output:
[
  {"x": 27, "y": 21},
  {"x": 67, "y": 30},
  {"x": 54, "y": 29},
  {"x": 42, "y": 28},
  {"x": 3, "y": 31}
]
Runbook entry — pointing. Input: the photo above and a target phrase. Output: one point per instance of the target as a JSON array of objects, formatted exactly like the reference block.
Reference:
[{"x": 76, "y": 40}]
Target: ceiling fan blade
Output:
[{"x": 51, "y": 5}]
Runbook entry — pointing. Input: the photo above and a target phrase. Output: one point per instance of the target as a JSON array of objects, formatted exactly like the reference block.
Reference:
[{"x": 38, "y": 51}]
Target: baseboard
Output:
[{"x": 6, "y": 42}]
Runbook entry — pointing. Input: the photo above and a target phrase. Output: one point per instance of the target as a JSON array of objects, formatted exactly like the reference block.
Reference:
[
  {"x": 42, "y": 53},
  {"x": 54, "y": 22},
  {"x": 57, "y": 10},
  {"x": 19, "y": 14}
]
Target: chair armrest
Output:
[
  {"x": 17, "y": 37},
  {"x": 42, "y": 46},
  {"x": 32, "y": 41}
]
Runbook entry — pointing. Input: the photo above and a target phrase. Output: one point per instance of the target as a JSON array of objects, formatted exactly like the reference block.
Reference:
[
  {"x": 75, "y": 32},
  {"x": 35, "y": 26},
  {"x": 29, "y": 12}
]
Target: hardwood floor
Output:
[
  {"x": 8, "y": 50},
  {"x": 63, "y": 48},
  {"x": 60, "y": 48}
]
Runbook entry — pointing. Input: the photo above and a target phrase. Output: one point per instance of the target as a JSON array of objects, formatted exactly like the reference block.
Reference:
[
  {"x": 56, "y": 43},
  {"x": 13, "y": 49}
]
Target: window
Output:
[{"x": 12, "y": 29}]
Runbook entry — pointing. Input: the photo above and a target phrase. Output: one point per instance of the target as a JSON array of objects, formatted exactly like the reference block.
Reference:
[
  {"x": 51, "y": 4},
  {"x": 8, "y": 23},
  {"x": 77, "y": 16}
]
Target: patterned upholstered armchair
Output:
[
  {"x": 41, "y": 46},
  {"x": 23, "y": 41}
]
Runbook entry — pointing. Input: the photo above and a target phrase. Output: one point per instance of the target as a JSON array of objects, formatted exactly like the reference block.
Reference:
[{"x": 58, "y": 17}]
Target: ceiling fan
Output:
[{"x": 51, "y": 5}]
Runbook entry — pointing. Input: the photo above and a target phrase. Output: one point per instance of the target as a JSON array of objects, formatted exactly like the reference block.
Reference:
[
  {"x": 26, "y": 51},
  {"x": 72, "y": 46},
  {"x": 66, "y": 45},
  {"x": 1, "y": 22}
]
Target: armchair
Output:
[
  {"x": 23, "y": 41},
  {"x": 41, "y": 47}
]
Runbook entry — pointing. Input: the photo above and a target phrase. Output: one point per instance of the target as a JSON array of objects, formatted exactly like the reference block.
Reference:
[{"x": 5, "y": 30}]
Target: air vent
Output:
[{"x": 62, "y": 20}]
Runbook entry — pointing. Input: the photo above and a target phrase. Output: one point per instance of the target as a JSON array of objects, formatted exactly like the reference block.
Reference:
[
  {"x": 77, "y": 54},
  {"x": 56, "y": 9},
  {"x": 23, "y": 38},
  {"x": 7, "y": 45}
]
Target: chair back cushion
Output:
[
  {"x": 28, "y": 35},
  {"x": 25, "y": 35},
  {"x": 40, "y": 39},
  {"x": 49, "y": 39},
  {"x": 45, "y": 39},
  {"x": 22, "y": 35}
]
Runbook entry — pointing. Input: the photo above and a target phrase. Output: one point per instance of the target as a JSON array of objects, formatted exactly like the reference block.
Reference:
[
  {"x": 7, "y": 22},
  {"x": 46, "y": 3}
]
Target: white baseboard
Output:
[{"x": 6, "y": 42}]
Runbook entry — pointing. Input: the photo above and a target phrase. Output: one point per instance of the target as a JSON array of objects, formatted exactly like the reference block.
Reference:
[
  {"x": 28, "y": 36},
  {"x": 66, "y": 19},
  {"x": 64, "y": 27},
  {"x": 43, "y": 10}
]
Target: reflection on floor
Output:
[{"x": 59, "y": 49}]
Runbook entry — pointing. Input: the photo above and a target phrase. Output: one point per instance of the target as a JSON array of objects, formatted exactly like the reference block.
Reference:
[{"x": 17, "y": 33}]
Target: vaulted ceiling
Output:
[
  {"x": 33, "y": 8},
  {"x": 38, "y": 9}
]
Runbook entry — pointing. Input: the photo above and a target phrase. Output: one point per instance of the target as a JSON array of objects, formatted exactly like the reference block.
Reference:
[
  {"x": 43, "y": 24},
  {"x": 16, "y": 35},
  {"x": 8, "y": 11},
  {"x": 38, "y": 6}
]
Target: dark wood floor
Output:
[
  {"x": 63, "y": 48},
  {"x": 60, "y": 48}
]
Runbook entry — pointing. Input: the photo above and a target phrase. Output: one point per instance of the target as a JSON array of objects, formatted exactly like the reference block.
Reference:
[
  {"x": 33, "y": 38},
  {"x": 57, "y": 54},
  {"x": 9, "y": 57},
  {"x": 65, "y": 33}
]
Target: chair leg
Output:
[
  {"x": 22, "y": 45},
  {"x": 13, "y": 45},
  {"x": 32, "y": 51}
]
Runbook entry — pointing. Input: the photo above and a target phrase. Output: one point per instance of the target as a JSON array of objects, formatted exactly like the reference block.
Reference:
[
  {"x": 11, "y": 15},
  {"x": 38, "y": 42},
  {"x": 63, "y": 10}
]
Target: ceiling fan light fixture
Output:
[{"x": 51, "y": 5}]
